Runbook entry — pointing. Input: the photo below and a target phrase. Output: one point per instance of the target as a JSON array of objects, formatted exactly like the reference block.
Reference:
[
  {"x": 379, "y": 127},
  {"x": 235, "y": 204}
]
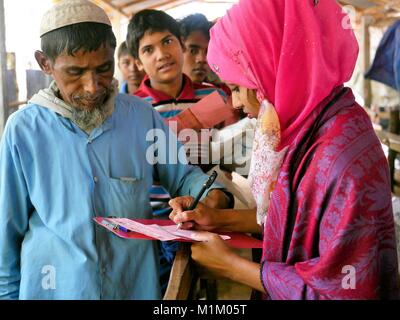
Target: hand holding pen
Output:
[{"x": 205, "y": 186}]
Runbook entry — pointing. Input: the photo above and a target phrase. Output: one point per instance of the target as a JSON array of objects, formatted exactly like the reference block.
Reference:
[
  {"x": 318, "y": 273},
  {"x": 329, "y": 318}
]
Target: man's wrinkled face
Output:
[
  {"x": 160, "y": 56},
  {"x": 195, "y": 56},
  {"x": 84, "y": 79}
]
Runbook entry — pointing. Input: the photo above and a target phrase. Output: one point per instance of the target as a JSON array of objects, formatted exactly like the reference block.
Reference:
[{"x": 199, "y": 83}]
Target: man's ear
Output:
[
  {"x": 44, "y": 62},
  {"x": 139, "y": 65}
]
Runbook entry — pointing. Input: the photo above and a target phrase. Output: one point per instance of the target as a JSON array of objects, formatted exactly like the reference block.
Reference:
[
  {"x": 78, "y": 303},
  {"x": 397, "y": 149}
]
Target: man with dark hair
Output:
[
  {"x": 154, "y": 39},
  {"x": 195, "y": 35},
  {"x": 127, "y": 65},
  {"x": 78, "y": 150}
]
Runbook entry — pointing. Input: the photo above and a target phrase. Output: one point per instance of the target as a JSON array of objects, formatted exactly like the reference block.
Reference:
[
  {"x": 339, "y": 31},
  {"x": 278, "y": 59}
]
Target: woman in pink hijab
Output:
[{"x": 318, "y": 174}]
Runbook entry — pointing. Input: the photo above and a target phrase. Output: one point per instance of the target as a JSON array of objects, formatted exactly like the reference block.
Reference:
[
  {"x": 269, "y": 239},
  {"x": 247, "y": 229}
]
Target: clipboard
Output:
[{"x": 236, "y": 239}]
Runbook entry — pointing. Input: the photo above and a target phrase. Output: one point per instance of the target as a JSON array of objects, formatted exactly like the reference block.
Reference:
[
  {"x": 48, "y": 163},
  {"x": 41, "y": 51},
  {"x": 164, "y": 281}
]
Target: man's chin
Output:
[
  {"x": 87, "y": 106},
  {"x": 90, "y": 108},
  {"x": 198, "y": 79},
  {"x": 87, "y": 109},
  {"x": 168, "y": 80}
]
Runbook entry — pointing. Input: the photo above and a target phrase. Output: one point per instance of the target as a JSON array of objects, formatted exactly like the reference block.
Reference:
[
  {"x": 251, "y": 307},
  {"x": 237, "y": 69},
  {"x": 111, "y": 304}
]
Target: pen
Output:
[
  {"x": 206, "y": 185},
  {"x": 114, "y": 226}
]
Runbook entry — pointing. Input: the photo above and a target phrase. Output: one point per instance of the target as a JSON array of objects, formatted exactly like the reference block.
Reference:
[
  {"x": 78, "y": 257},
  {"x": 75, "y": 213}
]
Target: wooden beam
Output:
[
  {"x": 136, "y": 6},
  {"x": 129, "y": 4},
  {"x": 112, "y": 7},
  {"x": 387, "y": 4},
  {"x": 171, "y": 4},
  {"x": 3, "y": 66},
  {"x": 394, "y": 126},
  {"x": 182, "y": 277},
  {"x": 366, "y": 60},
  {"x": 132, "y": 7},
  {"x": 359, "y": 4},
  {"x": 389, "y": 139}
]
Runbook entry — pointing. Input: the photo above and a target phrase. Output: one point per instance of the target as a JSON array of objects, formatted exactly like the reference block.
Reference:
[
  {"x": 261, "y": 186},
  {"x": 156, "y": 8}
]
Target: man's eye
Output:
[
  {"x": 147, "y": 50},
  {"x": 235, "y": 89},
  {"x": 104, "y": 68},
  {"x": 75, "y": 72},
  {"x": 194, "y": 51},
  {"x": 168, "y": 41}
]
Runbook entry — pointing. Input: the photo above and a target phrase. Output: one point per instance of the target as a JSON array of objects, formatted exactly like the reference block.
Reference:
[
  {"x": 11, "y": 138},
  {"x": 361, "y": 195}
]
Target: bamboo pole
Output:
[
  {"x": 366, "y": 60},
  {"x": 3, "y": 64}
]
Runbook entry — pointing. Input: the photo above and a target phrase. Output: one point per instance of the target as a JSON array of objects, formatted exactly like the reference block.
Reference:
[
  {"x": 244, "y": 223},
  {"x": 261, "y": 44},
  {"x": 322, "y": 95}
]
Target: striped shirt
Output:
[{"x": 168, "y": 106}]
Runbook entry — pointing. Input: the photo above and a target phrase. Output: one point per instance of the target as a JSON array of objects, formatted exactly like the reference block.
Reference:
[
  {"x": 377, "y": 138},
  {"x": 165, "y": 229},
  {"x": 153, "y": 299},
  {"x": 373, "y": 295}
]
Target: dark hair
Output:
[
  {"x": 122, "y": 50},
  {"x": 195, "y": 22},
  {"x": 149, "y": 21},
  {"x": 88, "y": 36}
]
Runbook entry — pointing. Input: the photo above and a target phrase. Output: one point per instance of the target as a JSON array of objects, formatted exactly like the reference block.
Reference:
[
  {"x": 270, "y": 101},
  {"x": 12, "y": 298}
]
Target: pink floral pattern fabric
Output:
[
  {"x": 265, "y": 161},
  {"x": 331, "y": 211}
]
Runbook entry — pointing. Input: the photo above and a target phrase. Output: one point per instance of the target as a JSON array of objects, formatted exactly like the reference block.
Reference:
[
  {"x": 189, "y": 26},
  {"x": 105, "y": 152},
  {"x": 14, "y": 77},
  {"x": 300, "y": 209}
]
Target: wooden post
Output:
[
  {"x": 366, "y": 60},
  {"x": 3, "y": 65},
  {"x": 394, "y": 126}
]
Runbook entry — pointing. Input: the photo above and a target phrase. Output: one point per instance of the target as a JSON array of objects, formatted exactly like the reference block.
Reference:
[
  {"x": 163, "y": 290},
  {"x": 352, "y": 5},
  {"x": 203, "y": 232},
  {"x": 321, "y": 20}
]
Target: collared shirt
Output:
[
  {"x": 124, "y": 87},
  {"x": 54, "y": 178},
  {"x": 168, "y": 106}
]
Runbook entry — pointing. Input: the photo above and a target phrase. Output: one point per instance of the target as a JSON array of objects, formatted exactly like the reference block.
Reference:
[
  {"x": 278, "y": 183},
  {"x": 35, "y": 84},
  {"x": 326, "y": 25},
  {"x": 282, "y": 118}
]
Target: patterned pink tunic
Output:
[{"x": 329, "y": 232}]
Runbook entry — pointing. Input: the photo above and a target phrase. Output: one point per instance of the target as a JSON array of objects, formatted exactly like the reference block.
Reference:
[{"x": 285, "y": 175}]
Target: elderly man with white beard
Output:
[{"x": 77, "y": 151}]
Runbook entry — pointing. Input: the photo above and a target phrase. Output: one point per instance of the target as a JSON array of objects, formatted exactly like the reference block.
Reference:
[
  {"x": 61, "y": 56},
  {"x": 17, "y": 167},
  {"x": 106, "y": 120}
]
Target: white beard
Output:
[{"x": 88, "y": 120}]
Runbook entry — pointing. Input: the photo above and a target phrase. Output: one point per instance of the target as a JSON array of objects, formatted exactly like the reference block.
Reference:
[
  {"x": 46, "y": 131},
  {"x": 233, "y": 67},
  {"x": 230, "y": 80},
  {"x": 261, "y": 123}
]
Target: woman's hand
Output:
[
  {"x": 201, "y": 218},
  {"x": 215, "y": 255},
  {"x": 212, "y": 253}
]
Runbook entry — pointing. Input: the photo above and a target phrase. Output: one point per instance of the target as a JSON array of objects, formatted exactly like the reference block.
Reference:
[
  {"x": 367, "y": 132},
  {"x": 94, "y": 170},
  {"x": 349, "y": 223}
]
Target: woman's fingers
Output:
[
  {"x": 187, "y": 225},
  {"x": 179, "y": 205},
  {"x": 185, "y": 216},
  {"x": 203, "y": 236}
]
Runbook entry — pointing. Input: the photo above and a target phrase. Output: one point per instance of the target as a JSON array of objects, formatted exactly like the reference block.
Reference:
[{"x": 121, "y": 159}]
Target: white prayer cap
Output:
[{"x": 68, "y": 12}]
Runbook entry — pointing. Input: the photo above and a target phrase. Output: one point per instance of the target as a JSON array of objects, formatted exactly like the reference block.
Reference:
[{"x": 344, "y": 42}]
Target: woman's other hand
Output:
[{"x": 212, "y": 252}]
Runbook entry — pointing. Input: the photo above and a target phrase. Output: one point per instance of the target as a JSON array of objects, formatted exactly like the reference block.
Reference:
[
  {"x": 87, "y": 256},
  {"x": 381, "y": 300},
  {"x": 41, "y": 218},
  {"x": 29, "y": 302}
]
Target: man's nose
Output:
[
  {"x": 132, "y": 67},
  {"x": 162, "y": 53},
  {"x": 91, "y": 84},
  {"x": 201, "y": 57},
  {"x": 135, "y": 67}
]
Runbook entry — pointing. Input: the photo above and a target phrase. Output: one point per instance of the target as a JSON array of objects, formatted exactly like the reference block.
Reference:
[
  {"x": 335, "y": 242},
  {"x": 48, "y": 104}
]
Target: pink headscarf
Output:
[{"x": 292, "y": 51}]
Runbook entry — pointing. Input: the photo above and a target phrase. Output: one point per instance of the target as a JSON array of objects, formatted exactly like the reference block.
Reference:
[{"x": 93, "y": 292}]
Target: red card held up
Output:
[{"x": 211, "y": 110}]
